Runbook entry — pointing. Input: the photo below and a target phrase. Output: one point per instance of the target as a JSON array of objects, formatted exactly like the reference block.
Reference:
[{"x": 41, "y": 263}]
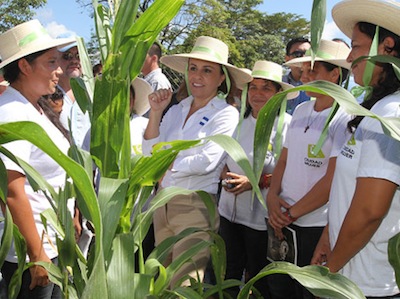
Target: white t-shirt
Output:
[
  {"x": 137, "y": 125},
  {"x": 199, "y": 167},
  {"x": 303, "y": 169},
  {"x": 157, "y": 80},
  {"x": 242, "y": 208},
  {"x": 14, "y": 107},
  {"x": 370, "y": 153}
]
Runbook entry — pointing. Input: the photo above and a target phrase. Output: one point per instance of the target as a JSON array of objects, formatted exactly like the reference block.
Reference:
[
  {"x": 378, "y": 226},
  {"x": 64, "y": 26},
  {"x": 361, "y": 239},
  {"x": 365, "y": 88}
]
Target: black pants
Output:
[
  {"x": 246, "y": 252},
  {"x": 50, "y": 291},
  {"x": 282, "y": 286}
]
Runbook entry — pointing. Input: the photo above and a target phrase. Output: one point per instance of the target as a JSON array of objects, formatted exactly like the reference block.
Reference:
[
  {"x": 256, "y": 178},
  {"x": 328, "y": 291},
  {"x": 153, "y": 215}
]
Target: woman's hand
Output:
[
  {"x": 275, "y": 215},
  {"x": 39, "y": 275},
  {"x": 160, "y": 99},
  {"x": 322, "y": 250},
  {"x": 240, "y": 183}
]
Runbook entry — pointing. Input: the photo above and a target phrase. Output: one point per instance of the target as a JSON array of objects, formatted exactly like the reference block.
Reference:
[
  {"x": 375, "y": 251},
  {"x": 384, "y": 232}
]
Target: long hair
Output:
[
  {"x": 53, "y": 116},
  {"x": 388, "y": 83}
]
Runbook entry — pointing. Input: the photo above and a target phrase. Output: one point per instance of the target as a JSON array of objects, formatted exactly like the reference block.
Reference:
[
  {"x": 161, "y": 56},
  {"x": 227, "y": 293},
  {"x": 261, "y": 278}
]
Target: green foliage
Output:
[
  {"x": 317, "y": 279},
  {"x": 14, "y": 12}
]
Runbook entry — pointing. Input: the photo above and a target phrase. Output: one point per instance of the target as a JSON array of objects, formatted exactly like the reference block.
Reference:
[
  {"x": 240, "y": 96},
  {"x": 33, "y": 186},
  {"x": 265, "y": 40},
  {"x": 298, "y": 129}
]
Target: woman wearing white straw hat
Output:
[
  {"x": 298, "y": 195},
  {"x": 242, "y": 223},
  {"x": 204, "y": 113},
  {"x": 31, "y": 66},
  {"x": 364, "y": 203}
]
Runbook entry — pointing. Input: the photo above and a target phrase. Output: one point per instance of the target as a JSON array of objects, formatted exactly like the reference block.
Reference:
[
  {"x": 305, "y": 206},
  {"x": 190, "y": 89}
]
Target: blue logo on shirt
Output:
[{"x": 202, "y": 123}]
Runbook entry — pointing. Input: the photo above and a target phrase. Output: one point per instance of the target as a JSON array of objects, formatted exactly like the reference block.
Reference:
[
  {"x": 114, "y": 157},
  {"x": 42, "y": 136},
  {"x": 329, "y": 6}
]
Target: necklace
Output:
[{"x": 310, "y": 120}]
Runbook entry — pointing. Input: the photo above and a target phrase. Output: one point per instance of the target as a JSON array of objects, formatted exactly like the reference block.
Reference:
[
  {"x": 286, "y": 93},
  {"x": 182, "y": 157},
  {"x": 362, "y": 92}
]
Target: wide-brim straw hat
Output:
[
  {"x": 142, "y": 91},
  {"x": 208, "y": 49},
  {"x": 329, "y": 51},
  {"x": 348, "y": 13},
  {"x": 272, "y": 71},
  {"x": 27, "y": 38}
]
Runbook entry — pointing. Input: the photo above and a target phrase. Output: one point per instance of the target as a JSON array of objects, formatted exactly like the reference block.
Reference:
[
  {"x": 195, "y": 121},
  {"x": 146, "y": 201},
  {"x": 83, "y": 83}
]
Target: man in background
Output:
[
  {"x": 151, "y": 70},
  {"x": 295, "y": 48},
  {"x": 71, "y": 114}
]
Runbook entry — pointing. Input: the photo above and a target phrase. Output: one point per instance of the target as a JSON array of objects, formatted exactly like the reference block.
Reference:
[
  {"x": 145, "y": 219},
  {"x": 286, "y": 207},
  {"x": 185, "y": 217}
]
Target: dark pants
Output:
[
  {"x": 282, "y": 286},
  {"x": 246, "y": 251},
  {"x": 50, "y": 291}
]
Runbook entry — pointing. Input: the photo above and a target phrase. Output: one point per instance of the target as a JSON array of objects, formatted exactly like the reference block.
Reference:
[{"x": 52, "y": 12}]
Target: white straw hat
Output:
[
  {"x": 329, "y": 51},
  {"x": 384, "y": 13},
  {"x": 24, "y": 39},
  {"x": 142, "y": 91},
  {"x": 273, "y": 72},
  {"x": 208, "y": 49}
]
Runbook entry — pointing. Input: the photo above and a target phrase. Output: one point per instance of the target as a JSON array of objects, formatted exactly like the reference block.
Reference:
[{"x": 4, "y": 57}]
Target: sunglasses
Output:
[
  {"x": 297, "y": 54},
  {"x": 69, "y": 56}
]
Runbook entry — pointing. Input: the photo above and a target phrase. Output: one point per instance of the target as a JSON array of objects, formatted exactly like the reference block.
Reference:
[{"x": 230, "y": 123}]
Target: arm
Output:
[
  {"x": 318, "y": 195},
  {"x": 21, "y": 212},
  {"x": 371, "y": 202},
  {"x": 323, "y": 249},
  {"x": 274, "y": 202}
]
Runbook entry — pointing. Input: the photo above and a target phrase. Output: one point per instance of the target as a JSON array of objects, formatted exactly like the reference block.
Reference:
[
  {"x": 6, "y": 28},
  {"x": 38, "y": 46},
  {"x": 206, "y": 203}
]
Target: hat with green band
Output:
[
  {"x": 25, "y": 39},
  {"x": 329, "y": 51},
  {"x": 208, "y": 49},
  {"x": 272, "y": 71},
  {"x": 384, "y": 13}
]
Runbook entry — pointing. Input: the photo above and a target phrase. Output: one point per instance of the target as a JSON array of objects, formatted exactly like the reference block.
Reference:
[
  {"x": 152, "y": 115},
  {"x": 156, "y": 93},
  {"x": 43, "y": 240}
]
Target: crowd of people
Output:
[{"x": 336, "y": 207}]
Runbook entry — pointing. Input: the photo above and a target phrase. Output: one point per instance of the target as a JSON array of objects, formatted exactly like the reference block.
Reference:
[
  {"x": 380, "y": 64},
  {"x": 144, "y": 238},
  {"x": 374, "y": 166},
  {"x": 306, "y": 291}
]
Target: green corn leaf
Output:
[
  {"x": 318, "y": 16},
  {"x": 7, "y": 236},
  {"x": 317, "y": 279},
  {"x": 394, "y": 254}
]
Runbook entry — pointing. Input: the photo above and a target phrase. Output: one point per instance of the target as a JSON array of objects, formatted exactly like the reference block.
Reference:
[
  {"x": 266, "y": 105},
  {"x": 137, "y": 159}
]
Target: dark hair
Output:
[
  {"x": 295, "y": 41},
  {"x": 330, "y": 67},
  {"x": 340, "y": 40},
  {"x": 277, "y": 86},
  {"x": 97, "y": 69},
  {"x": 155, "y": 49},
  {"x": 53, "y": 117},
  {"x": 388, "y": 83},
  {"x": 12, "y": 71}
]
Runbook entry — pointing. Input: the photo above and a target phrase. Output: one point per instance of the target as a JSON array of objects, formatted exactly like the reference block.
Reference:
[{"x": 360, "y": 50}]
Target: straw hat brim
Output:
[
  {"x": 142, "y": 91},
  {"x": 348, "y": 13},
  {"x": 178, "y": 62},
  {"x": 37, "y": 48},
  {"x": 339, "y": 62}
]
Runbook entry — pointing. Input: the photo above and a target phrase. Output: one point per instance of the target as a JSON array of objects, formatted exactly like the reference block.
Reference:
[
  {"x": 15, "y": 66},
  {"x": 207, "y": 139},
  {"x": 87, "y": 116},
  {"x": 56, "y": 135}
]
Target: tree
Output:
[
  {"x": 250, "y": 34},
  {"x": 14, "y": 12}
]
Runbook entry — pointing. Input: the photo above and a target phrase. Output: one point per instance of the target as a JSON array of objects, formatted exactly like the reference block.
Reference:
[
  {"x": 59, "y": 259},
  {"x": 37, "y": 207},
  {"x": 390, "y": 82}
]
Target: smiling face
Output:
[
  {"x": 361, "y": 44},
  {"x": 44, "y": 72},
  {"x": 70, "y": 63},
  {"x": 260, "y": 91},
  {"x": 204, "y": 78}
]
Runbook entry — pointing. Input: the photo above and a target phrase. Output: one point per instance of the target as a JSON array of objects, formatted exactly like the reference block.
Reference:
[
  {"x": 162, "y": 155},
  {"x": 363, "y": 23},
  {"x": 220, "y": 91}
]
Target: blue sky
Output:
[{"x": 59, "y": 16}]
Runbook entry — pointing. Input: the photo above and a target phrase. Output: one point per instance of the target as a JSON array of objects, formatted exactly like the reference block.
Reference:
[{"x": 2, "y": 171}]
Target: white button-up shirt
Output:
[{"x": 197, "y": 168}]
